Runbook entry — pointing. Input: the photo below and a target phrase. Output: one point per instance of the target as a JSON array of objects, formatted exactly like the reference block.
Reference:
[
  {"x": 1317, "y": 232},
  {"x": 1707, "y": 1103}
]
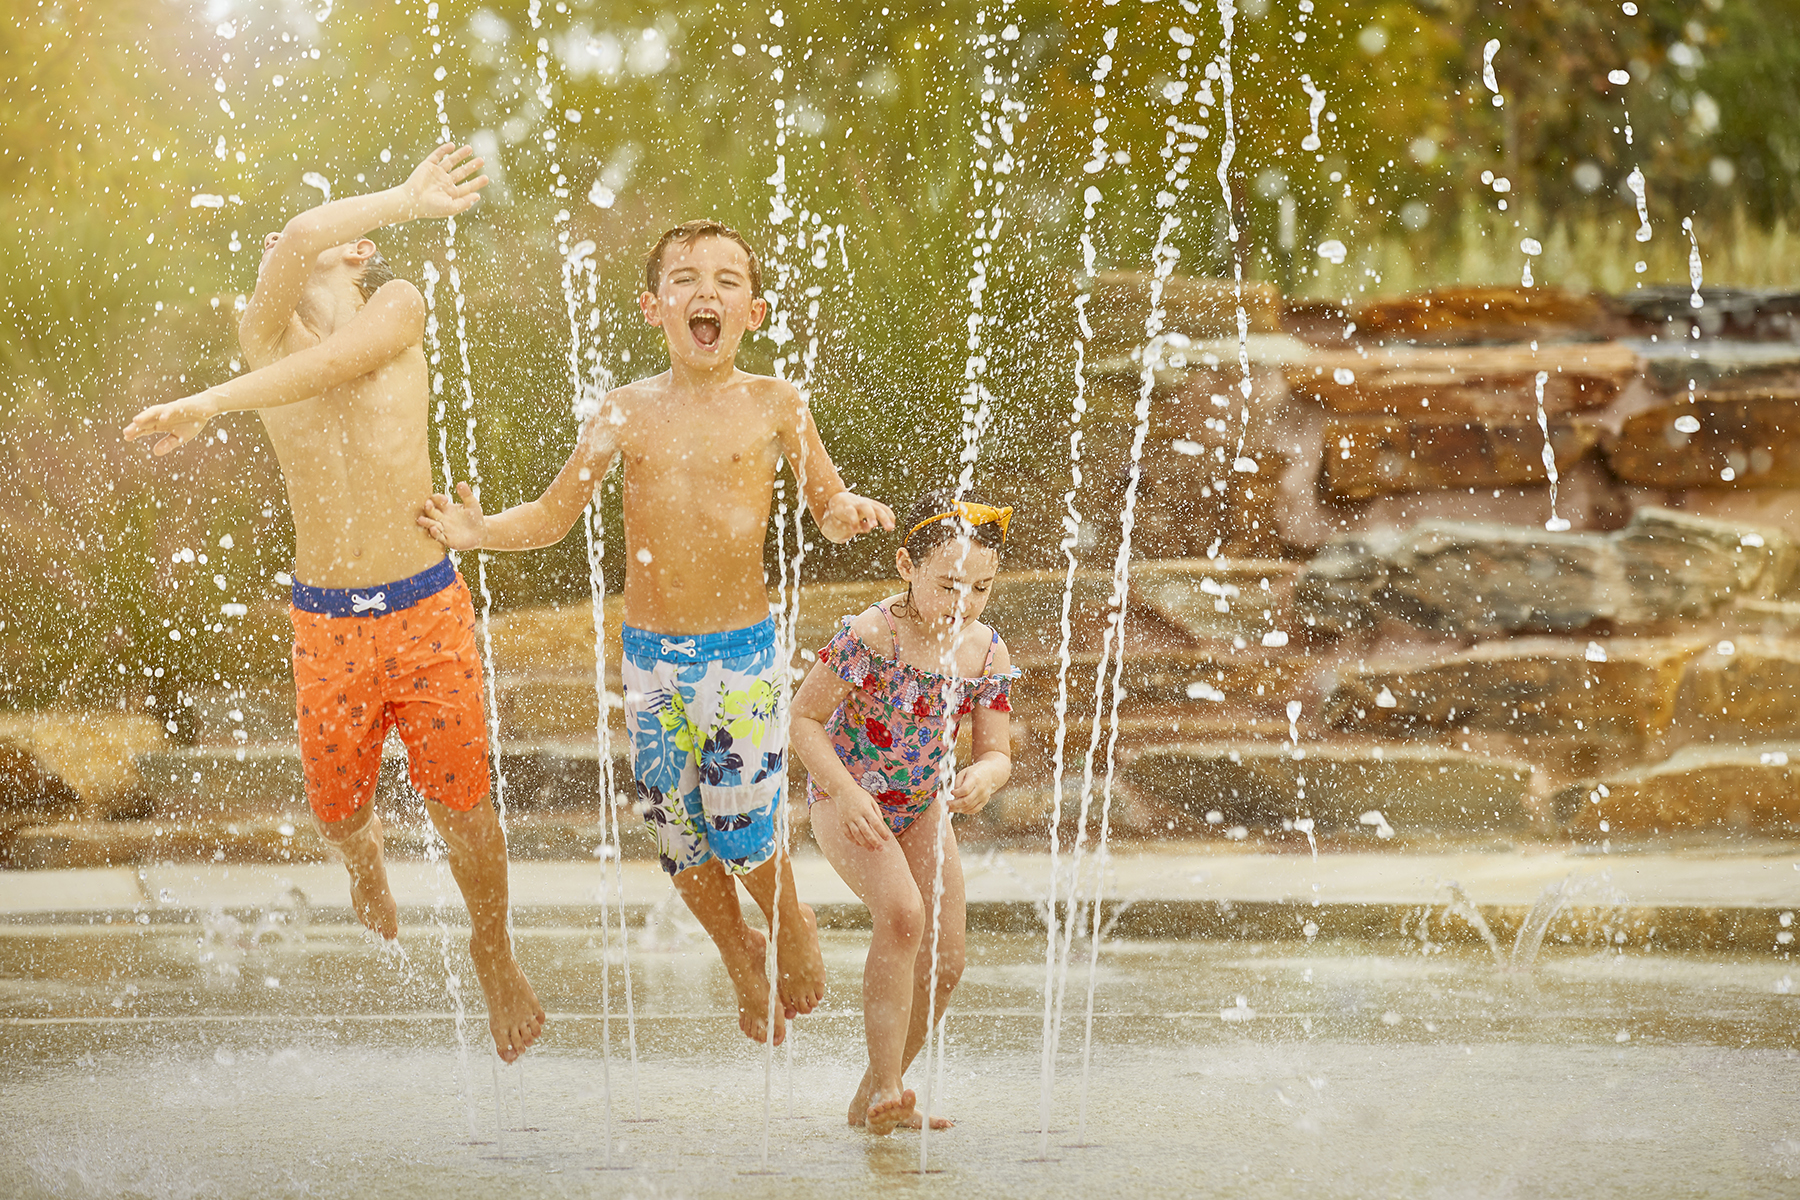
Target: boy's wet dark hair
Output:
[
  {"x": 687, "y": 232},
  {"x": 922, "y": 540},
  {"x": 375, "y": 273}
]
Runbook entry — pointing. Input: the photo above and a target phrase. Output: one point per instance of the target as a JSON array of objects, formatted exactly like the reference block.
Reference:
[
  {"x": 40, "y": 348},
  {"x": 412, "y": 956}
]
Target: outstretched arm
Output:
[
  {"x": 441, "y": 186},
  {"x": 387, "y": 325},
  {"x": 840, "y": 512},
  {"x": 541, "y": 522}
]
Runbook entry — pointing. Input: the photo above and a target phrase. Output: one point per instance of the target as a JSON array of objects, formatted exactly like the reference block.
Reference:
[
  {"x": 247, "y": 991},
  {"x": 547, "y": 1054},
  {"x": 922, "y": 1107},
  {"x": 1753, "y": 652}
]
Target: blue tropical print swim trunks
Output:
[{"x": 708, "y": 743}]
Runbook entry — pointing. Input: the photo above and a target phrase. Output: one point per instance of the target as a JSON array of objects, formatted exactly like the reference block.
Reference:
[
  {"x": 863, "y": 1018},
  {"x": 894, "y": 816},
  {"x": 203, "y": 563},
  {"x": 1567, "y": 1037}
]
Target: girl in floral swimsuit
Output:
[{"x": 874, "y": 722}]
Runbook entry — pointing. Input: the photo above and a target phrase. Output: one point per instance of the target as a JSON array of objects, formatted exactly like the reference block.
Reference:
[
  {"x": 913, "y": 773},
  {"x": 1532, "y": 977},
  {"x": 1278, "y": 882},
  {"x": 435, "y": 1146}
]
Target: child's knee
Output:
[
  {"x": 360, "y": 822},
  {"x": 475, "y": 830},
  {"x": 902, "y": 921}
]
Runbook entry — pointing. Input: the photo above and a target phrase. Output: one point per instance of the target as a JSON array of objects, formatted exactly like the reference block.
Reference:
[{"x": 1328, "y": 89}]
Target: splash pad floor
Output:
[{"x": 242, "y": 1054}]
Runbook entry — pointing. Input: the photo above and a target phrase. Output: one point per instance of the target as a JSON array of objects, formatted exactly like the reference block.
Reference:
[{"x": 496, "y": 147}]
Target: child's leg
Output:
[
  {"x": 883, "y": 879},
  {"x": 358, "y": 838},
  {"x": 919, "y": 843},
  {"x": 797, "y": 959},
  {"x": 477, "y": 855},
  {"x": 711, "y": 894}
]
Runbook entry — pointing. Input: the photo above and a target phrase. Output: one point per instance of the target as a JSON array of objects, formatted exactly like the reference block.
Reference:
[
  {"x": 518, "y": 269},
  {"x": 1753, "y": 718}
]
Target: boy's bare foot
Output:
[
  {"x": 373, "y": 900},
  {"x": 514, "y": 1015},
  {"x": 887, "y": 1113},
  {"x": 914, "y": 1120},
  {"x": 802, "y": 967},
  {"x": 745, "y": 961}
]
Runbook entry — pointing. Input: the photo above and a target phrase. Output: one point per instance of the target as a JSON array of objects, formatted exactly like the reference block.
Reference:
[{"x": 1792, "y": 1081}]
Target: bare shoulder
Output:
[
  {"x": 402, "y": 297},
  {"x": 872, "y": 627},
  {"x": 778, "y": 395}
]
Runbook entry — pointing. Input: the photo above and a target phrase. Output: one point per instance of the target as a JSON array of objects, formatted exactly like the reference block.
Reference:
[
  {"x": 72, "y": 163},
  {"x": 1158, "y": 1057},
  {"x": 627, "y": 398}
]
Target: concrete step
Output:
[
  {"x": 215, "y": 781},
  {"x": 1616, "y": 687},
  {"x": 1742, "y": 788},
  {"x": 293, "y": 838}
]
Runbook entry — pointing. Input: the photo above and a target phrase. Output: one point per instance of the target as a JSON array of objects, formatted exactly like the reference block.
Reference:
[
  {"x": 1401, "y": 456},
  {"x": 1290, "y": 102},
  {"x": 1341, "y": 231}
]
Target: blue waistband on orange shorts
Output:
[{"x": 378, "y": 599}]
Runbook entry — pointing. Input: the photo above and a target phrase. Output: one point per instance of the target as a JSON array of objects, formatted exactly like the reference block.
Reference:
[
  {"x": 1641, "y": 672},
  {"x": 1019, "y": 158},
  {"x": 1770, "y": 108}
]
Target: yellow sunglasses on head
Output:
[{"x": 974, "y": 514}]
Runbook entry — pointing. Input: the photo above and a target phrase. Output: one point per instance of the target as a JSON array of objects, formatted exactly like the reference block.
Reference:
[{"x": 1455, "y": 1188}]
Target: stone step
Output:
[
  {"x": 1481, "y": 314},
  {"x": 1710, "y": 443},
  {"x": 1672, "y": 363},
  {"x": 1471, "y": 381},
  {"x": 1470, "y": 578},
  {"x": 1700, "y": 787},
  {"x": 1619, "y": 687},
  {"x": 1119, "y": 303},
  {"x": 1369, "y": 456},
  {"x": 1411, "y": 788},
  {"x": 1192, "y": 681},
  {"x": 1668, "y": 311},
  {"x": 79, "y": 762},
  {"x": 1746, "y": 689}
]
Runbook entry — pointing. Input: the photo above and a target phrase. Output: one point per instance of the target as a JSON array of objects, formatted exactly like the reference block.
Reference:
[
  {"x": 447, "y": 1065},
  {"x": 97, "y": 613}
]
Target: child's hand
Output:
[
  {"x": 440, "y": 186},
  {"x": 455, "y": 526},
  {"x": 863, "y": 822},
  {"x": 848, "y": 514},
  {"x": 975, "y": 785},
  {"x": 178, "y": 421}
]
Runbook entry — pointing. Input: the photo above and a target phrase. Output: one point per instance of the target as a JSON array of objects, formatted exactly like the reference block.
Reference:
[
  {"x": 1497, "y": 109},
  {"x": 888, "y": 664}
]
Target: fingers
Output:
[
  {"x": 884, "y": 514},
  {"x": 466, "y": 169},
  {"x": 170, "y": 442},
  {"x": 465, "y": 491}
]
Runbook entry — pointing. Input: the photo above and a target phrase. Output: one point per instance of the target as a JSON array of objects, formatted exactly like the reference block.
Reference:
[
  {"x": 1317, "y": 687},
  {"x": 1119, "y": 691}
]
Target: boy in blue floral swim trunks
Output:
[{"x": 701, "y": 444}]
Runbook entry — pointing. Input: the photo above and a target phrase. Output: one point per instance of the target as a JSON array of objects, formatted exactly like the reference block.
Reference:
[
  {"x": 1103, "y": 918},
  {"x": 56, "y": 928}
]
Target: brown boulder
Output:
[
  {"x": 1710, "y": 444},
  {"x": 1471, "y": 381},
  {"x": 1372, "y": 455},
  {"x": 1624, "y": 687},
  {"x": 1700, "y": 787}
]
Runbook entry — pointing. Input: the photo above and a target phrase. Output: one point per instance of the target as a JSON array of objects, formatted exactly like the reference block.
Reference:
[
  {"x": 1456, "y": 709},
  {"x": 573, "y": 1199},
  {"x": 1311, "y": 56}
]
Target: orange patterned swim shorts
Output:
[{"x": 394, "y": 656}]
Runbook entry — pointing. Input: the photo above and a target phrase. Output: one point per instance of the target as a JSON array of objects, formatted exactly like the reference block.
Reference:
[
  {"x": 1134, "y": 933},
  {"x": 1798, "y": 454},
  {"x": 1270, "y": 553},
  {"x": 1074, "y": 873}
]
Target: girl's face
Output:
[{"x": 950, "y": 582}]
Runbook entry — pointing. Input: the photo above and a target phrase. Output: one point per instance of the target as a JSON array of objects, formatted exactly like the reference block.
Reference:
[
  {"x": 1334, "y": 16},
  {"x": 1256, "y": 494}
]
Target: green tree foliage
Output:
[{"x": 146, "y": 145}]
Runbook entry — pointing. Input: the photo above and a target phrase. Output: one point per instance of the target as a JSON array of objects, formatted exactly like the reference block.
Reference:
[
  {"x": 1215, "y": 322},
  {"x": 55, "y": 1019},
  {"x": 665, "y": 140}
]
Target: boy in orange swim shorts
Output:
[
  {"x": 400, "y": 656},
  {"x": 383, "y": 628}
]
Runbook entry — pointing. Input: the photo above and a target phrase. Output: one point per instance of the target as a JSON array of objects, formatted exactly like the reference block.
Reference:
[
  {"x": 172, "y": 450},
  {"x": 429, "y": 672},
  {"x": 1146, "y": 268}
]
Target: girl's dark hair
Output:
[{"x": 923, "y": 541}]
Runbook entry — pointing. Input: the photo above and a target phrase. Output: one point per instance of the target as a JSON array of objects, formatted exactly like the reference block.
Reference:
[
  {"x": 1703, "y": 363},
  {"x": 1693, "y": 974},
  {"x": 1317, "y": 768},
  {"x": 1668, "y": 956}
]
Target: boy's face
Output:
[{"x": 703, "y": 301}]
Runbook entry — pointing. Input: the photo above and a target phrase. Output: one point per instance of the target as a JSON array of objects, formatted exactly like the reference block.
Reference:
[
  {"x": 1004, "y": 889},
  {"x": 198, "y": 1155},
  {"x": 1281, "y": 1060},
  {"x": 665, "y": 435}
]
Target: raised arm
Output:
[
  {"x": 389, "y": 323},
  {"x": 840, "y": 513},
  {"x": 461, "y": 525},
  {"x": 441, "y": 186}
]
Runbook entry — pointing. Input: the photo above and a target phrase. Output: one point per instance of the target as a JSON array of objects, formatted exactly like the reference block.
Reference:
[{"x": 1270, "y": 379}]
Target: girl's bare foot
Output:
[
  {"x": 745, "y": 959},
  {"x": 859, "y": 1103},
  {"x": 802, "y": 966},
  {"x": 890, "y": 1111},
  {"x": 514, "y": 1016}
]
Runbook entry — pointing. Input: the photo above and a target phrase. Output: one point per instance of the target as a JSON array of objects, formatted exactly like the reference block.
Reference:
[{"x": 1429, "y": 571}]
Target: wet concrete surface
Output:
[{"x": 272, "y": 1053}]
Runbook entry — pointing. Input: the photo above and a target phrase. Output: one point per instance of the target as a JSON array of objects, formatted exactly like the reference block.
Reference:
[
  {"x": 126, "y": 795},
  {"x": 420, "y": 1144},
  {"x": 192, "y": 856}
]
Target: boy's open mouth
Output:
[{"x": 705, "y": 328}]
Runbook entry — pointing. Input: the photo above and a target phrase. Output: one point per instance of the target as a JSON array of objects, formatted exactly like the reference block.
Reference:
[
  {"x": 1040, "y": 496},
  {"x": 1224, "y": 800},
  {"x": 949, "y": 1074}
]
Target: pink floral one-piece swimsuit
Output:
[{"x": 890, "y": 731}]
